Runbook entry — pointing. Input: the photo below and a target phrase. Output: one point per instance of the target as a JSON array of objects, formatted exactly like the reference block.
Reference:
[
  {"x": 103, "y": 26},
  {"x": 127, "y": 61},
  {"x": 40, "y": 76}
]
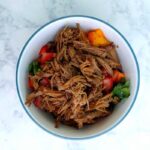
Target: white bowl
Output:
[{"x": 47, "y": 33}]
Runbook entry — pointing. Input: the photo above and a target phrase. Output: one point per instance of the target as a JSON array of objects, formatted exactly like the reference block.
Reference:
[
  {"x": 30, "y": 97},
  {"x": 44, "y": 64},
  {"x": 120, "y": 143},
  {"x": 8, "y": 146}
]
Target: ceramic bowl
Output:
[{"x": 47, "y": 33}]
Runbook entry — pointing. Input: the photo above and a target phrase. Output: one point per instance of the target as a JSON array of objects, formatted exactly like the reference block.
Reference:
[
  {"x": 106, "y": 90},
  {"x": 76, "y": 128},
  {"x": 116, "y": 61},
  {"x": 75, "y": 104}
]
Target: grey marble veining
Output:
[{"x": 19, "y": 19}]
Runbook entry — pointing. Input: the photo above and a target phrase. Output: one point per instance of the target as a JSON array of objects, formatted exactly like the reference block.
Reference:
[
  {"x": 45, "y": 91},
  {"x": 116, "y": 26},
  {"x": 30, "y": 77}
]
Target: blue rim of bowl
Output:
[{"x": 117, "y": 122}]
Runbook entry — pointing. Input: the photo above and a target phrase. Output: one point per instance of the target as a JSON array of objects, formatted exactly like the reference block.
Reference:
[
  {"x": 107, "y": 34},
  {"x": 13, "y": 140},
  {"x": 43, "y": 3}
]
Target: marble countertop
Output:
[{"x": 19, "y": 19}]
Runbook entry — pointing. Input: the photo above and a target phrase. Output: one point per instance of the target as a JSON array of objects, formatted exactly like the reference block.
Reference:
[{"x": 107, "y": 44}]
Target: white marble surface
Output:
[{"x": 19, "y": 19}]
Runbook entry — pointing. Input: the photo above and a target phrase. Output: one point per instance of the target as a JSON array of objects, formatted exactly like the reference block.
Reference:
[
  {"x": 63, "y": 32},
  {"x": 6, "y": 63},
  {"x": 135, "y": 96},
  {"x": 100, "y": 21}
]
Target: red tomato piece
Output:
[
  {"x": 44, "y": 81},
  {"x": 37, "y": 101},
  {"x": 46, "y": 57},
  {"x": 44, "y": 49},
  {"x": 107, "y": 84},
  {"x": 30, "y": 84}
]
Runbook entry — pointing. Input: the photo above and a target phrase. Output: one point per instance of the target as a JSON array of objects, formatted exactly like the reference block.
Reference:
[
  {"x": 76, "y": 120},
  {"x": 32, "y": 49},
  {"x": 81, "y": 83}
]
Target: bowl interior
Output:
[{"x": 47, "y": 33}]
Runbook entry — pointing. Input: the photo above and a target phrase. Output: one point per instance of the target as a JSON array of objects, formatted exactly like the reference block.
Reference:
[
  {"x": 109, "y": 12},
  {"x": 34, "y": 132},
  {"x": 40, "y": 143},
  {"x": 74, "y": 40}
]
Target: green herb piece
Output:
[
  {"x": 122, "y": 90},
  {"x": 34, "y": 67}
]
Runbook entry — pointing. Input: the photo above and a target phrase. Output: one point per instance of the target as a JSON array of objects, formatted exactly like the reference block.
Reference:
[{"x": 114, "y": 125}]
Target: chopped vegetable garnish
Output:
[
  {"x": 44, "y": 81},
  {"x": 107, "y": 84},
  {"x": 121, "y": 90},
  {"x": 34, "y": 67},
  {"x": 97, "y": 38},
  {"x": 118, "y": 76},
  {"x": 46, "y": 57},
  {"x": 30, "y": 83},
  {"x": 45, "y": 54},
  {"x": 37, "y": 101},
  {"x": 44, "y": 49}
]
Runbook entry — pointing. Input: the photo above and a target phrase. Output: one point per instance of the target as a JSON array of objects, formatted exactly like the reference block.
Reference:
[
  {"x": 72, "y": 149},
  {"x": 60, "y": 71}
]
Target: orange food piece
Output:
[
  {"x": 97, "y": 38},
  {"x": 117, "y": 76},
  {"x": 30, "y": 84}
]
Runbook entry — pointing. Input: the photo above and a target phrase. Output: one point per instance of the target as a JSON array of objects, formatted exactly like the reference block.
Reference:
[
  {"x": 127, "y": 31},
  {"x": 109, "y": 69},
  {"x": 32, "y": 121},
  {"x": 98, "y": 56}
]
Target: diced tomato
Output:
[
  {"x": 30, "y": 84},
  {"x": 107, "y": 84},
  {"x": 44, "y": 81},
  {"x": 45, "y": 54},
  {"x": 46, "y": 57},
  {"x": 44, "y": 49},
  {"x": 37, "y": 101},
  {"x": 117, "y": 76}
]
